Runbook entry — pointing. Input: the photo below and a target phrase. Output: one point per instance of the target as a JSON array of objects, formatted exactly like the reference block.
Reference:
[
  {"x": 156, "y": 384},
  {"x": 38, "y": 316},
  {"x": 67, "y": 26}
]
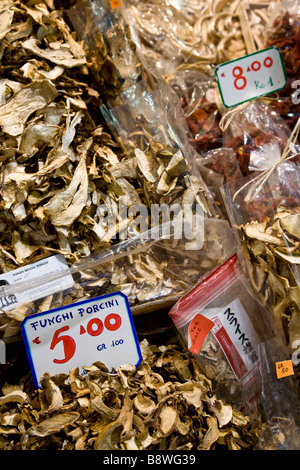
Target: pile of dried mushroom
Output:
[{"x": 164, "y": 404}]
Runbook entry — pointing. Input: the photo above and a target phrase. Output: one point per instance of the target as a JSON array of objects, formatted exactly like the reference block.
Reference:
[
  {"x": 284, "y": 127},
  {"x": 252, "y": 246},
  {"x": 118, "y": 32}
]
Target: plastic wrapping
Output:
[
  {"x": 264, "y": 207},
  {"x": 222, "y": 324},
  {"x": 217, "y": 168},
  {"x": 257, "y": 134},
  {"x": 231, "y": 334},
  {"x": 165, "y": 35},
  {"x": 283, "y": 32},
  {"x": 280, "y": 402},
  {"x": 108, "y": 44},
  {"x": 153, "y": 269},
  {"x": 197, "y": 92}
]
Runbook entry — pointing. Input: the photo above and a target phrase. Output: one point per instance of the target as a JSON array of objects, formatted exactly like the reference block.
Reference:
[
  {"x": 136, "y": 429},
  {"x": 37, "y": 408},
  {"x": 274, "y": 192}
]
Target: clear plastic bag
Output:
[
  {"x": 257, "y": 134},
  {"x": 232, "y": 335},
  {"x": 264, "y": 208},
  {"x": 109, "y": 47},
  {"x": 197, "y": 92},
  {"x": 165, "y": 36},
  {"x": 151, "y": 128},
  {"x": 283, "y": 32},
  {"x": 280, "y": 401},
  {"x": 153, "y": 269},
  {"x": 222, "y": 323}
]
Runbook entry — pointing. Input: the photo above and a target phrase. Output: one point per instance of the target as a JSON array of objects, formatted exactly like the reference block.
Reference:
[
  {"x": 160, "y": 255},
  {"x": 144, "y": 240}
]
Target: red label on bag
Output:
[
  {"x": 199, "y": 328},
  {"x": 284, "y": 369},
  {"x": 115, "y": 3}
]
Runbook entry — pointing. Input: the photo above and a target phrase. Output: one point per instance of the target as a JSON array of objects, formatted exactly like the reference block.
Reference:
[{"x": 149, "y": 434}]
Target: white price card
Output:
[
  {"x": 251, "y": 76},
  {"x": 77, "y": 335}
]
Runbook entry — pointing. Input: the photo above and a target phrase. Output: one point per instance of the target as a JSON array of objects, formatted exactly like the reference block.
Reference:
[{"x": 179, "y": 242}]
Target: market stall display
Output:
[{"x": 121, "y": 170}]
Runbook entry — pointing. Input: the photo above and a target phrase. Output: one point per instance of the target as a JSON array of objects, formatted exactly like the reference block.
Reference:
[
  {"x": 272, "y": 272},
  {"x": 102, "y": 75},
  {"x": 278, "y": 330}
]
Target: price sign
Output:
[
  {"x": 115, "y": 3},
  {"x": 284, "y": 369},
  {"x": 77, "y": 335},
  {"x": 251, "y": 76}
]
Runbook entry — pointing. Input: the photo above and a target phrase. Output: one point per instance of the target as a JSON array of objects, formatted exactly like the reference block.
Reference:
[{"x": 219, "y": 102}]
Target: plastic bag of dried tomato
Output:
[{"x": 257, "y": 134}]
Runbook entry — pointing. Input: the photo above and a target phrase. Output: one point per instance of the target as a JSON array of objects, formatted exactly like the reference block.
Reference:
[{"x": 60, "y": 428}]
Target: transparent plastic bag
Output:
[
  {"x": 164, "y": 35},
  {"x": 280, "y": 401},
  {"x": 151, "y": 129},
  {"x": 222, "y": 323},
  {"x": 153, "y": 269},
  {"x": 264, "y": 208},
  {"x": 283, "y": 32},
  {"x": 217, "y": 168},
  {"x": 257, "y": 134},
  {"x": 109, "y": 47},
  {"x": 197, "y": 93}
]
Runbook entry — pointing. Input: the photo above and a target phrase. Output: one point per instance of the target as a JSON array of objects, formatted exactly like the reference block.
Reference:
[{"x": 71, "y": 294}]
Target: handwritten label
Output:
[
  {"x": 51, "y": 265},
  {"x": 251, "y": 76},
  {"x": 284, "y": 369},
  {"x": 199, "y": 328},
  {"x": 237, "y": 337},
  {"x": 77, "y": 335},
  {"x": 115, "y": 3}
]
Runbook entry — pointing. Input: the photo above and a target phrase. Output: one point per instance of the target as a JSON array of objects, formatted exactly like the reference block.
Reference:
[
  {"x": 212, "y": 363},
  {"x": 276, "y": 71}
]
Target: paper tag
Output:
[
  {"x": 47, "y": 266},
  {"x": 199, "y": 328},
  {"x": 115, "y": 3},
  {"x": 251, "y": 76},
  {"x": 284, "y": 369},
  {"x": 77, "y": 335},
  {"x": 237, "y": 337}
]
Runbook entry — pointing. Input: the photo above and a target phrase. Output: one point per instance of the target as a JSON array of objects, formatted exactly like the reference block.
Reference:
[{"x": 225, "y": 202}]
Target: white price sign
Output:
[
  {"x": 251, "y": 76},
  {"x": 77, "y": 335}
]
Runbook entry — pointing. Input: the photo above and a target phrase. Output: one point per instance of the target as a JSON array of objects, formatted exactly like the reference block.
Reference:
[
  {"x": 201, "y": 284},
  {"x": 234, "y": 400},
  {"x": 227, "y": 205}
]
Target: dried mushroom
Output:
[
  {"x": 127, "y": 409},
  {"x": 271, "y": 253}
]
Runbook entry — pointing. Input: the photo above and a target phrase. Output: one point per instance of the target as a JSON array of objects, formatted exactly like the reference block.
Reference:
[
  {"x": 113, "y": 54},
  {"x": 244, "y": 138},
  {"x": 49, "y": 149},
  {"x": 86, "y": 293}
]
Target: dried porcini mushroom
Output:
[
  {"x": 271, "y": 253},
  {"x": 100, "y": 410}
]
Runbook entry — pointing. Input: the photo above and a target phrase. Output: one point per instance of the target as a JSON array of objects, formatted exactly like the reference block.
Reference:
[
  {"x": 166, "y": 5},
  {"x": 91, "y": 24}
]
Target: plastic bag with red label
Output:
[{"x": 222, "y": 323}]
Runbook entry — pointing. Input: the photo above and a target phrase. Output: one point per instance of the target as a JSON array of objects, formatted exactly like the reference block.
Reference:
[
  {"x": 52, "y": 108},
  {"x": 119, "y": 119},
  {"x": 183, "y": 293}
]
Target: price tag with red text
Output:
[
  {"x": 251, "y": 76},
  {"x": 77, "y": 335}
]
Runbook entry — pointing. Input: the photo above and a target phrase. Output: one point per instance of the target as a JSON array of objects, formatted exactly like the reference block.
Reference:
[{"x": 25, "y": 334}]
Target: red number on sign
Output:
[
  {"x": 268, "y": 62},
  {"x": 112, "y": 322},
  {"x": 68, "y": 342},
  {"x": 94, "y": 332},
  {"x": 238, "y": 74},
  {"x": 255, "y": 66}
]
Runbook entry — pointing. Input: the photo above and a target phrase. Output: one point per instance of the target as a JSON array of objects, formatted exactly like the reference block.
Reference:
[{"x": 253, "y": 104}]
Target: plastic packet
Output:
[
  {"x": 264, "y": 208},
  {"x": 109, "y": 47},
  {"x": 257, "y": 134},
  {"x": 283, "y": 32},
  {"x": 222, "y": 323},
  {"x": 164, "y": 35},
  {"x": 151, "y": 129},
  {"x": 197, "y": 92},
  {"x": 280, "y": 401},
  {"x": 152, "y": 268},
  {"x": 217, "y": 168}
]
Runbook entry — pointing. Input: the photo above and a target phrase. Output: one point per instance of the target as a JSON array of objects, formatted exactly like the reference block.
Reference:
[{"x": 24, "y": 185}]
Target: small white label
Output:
[
  {"x": 77, "y": 335},
  {"x": 251, "y": 76},
  {"x": 53, "y": 264},
  {"x": 236, "y": 335}
]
